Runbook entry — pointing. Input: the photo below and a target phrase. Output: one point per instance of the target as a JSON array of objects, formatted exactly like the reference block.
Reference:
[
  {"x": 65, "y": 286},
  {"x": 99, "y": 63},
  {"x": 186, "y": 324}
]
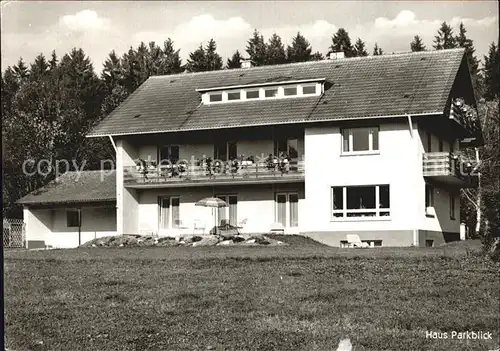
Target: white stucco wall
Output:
[
  {"x": 38, "y": 223},
  {"x": 127, "y": 208},
  {"x": 398, "y": 164},
  {"x": 50, "y": 226}
]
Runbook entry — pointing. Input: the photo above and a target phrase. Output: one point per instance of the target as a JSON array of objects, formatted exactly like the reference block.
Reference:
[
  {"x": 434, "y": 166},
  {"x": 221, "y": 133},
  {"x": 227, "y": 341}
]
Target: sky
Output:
[{"x": 32, "y": 27}]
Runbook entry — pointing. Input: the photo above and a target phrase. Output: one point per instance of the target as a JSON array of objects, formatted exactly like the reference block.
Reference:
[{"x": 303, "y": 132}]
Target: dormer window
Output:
[
  {"x": 290, "y": 91},
  {"x": 270, "y": 93},
  {"x": 234, "y": 95},
  {"x": 216, "y": 97},
  {"x": 252, "y": 94},
  {"x": 308, "y": 89},
  {"x": 262, "y": 91}
]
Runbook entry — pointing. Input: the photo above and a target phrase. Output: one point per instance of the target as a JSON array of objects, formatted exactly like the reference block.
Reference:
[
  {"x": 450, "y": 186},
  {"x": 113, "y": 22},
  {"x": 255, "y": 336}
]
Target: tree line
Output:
[{"x": 50, "y": 104}]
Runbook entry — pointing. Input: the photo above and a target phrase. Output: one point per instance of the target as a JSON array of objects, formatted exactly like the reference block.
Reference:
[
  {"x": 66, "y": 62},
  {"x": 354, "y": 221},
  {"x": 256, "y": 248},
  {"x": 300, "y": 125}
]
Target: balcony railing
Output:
[
  {"x": 217, "y": 173},
  {"x": 450, "y": 168}
]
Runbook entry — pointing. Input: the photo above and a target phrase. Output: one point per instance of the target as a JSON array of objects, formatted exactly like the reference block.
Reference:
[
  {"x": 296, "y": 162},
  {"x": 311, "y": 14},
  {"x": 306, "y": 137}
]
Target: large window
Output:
[
  {"x": 360, "y": 201},
  {"x": 73, "y": 218},
  {"x": 225, "y": 151},
  {"x": 359, "y": 140},
  {"x": 287, "y": 209},
  {"x": 169, "y": 212}
]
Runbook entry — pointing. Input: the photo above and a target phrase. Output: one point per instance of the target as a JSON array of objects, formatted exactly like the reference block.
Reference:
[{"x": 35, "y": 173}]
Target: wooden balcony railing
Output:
[
  {"x": 449, "y": 167},
  {"x": 190, "y": 174}
]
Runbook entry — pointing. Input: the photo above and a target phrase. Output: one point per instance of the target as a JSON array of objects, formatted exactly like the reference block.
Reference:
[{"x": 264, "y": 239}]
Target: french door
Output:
[
  {"x": 169, "y": 212},
  {"x": 228, "y": 214},
  {"x": 287, "y": 209}
]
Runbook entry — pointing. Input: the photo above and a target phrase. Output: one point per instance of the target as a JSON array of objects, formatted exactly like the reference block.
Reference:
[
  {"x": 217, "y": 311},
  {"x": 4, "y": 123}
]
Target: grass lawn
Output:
[{"x": 301, "y": 297}]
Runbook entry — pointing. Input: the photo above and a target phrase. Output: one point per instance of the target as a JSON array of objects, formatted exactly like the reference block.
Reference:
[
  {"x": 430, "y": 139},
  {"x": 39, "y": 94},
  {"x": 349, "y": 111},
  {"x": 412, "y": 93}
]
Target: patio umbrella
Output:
[{"x": 213, "y": 202}]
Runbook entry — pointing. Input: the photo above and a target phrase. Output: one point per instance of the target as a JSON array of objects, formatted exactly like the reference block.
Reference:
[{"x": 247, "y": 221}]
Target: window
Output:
[
  {"x": 228, "y": 214},
  {"x": 429, "y": 243},
  {"x": 361, "y": 201},
  {"x": 225, "y": 151},
  {"x": 73, "y": 218},
  {"x": 290, "y": 91},
  {"x": 168, "y": 152},
  {"x": 273, "y": 92},
  {"x": 169, "y": 212},
  {"x": 360, "y": 139},
  {"x": 216, "y": 97},
  {"x": 429, "y": 196},
  {"x": 287, "y": 209},
  {"x": 309, "y": 89},
  {"x": 287, "y": 146},
  {"x": 452, "y": 206},
  {"x": 252, "y": 94},
  {"x": 236, "y": 95}
]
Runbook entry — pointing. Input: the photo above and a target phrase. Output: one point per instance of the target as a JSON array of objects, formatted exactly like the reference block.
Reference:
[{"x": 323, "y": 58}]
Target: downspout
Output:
[
  {"x": 79, "y": 227},
  {"x": 410, "y": 127}
]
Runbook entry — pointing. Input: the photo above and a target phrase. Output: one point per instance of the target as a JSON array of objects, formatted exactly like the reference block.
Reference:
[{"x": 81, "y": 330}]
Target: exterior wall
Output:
[
  {"x": 38, "y": 226},
  {"x": 48, "y": 227},
  {"x": 398, "y": 164},
  {"x": 441, "y": 222},
  {"x": 96, "y": 222},
  {"x": 127, "y": 200},
  {"x": 389, "y": 237},
  {"x": 256, "y": 203}
]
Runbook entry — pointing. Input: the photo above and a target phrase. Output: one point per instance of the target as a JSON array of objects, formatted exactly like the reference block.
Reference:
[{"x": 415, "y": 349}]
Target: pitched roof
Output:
[
  {"x": 75, "y": 187},
  {"x": 362, "y": 87}
]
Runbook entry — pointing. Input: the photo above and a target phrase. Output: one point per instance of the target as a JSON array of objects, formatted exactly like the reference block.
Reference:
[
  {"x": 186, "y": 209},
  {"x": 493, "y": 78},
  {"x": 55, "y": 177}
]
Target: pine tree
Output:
[
  {"x": 275, "y": 51},
  {"x": 213, "y": 59},
  {"x": 39, "y": 68},
  {"x": 417, "y": 44},
  {"x": 234, "y": 61},
  {"x": 53, "y": 61},
  {"x": 317, "y": 56},
  {"x": 377, "y": 51},
  {"x": 21, "y": 71},
  {"x": 464, "y": 42},
  {"x": 172, "y": 62},
  {"x": 445, "y": 38},
  {"x": 131, "y": 70},
  {"x": 112, "y": 73},
  {"x": 197, "y": 61},
  {"x": 359, "y": 48},
  {"x": 342, "y": 43},
  {"x": 256, "y": 49},
  {"x": 300, "y": 50},
  {"x": 491, "y": 72}
]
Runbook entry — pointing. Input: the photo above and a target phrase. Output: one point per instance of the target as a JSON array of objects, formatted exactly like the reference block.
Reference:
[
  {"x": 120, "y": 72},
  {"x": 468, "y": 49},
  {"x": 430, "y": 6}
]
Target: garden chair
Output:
[{"x": 353, "y": 240}]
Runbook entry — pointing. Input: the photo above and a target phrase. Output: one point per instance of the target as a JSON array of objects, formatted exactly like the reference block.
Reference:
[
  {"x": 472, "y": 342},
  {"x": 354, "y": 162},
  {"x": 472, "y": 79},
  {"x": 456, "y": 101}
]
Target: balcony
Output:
[
  {"x": 450, "y": 169},
  {"x": 217, "y": 173}
]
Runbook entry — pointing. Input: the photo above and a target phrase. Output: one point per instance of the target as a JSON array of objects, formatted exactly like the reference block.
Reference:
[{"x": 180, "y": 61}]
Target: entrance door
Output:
[
  {"x": 169, "y": 212},
  {"x": 287, "y": 209},
  {"x": 228, "y": 214}
]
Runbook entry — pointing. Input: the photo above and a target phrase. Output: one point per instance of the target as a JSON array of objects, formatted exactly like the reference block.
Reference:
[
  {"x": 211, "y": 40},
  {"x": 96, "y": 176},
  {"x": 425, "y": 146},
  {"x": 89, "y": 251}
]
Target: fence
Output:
[{"x": 14, "y": 233}]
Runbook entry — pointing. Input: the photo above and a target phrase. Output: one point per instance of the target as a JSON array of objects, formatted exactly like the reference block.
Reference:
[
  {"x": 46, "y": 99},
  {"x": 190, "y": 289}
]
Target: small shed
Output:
[{"x": 71, "y": 210}]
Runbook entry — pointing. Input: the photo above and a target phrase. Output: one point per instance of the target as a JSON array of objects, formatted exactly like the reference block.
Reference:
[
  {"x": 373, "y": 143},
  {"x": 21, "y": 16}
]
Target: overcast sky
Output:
[{"x": 31, "y": 27}]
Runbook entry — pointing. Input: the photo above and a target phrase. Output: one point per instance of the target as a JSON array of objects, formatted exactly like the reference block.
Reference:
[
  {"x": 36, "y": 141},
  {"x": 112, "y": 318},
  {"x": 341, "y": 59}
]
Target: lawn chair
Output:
[
  {"x": 199, "y": 226},
  {"x": 241, "y": 225},
  {"x": 353, "y": 240}
]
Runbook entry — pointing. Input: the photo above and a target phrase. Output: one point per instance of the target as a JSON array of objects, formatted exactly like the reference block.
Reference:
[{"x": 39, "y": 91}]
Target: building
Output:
[
  {"x": 371, "y": 144},
  {"x": 71, "y": 210}
]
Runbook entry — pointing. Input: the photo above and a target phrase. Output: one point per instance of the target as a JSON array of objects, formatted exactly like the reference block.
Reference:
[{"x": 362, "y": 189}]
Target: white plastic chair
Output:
[
  {"x": 199, "y": 225},
  {"x": 353, "y": 240}
]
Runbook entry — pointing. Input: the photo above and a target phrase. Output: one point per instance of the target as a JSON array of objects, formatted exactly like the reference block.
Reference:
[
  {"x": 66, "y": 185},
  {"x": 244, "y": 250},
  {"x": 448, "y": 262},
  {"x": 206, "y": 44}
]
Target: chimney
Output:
[
  {"x": 336, "y": 55},
  {"x": 246, "y": 63}
]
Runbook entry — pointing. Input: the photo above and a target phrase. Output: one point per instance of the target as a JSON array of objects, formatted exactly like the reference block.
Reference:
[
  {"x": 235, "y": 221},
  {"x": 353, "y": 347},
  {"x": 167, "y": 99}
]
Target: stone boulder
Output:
[{"x": 206, "y": 241}]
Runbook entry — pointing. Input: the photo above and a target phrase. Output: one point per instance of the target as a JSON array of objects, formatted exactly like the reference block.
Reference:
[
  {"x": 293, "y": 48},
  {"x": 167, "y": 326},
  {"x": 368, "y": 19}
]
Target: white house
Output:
[
  {"x": 372, "y": 148},
  {"x": 71, "y": 210}
]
